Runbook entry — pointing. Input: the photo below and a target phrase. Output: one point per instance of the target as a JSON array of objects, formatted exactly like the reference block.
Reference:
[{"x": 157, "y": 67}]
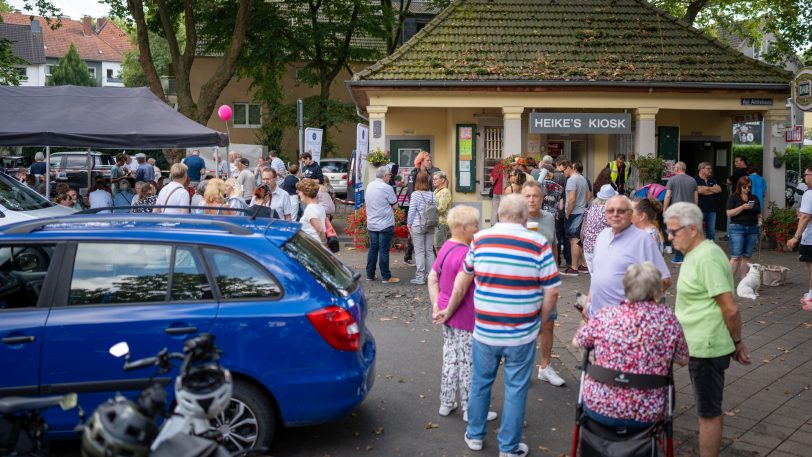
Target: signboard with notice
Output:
[{"x": 466, "y": 158}]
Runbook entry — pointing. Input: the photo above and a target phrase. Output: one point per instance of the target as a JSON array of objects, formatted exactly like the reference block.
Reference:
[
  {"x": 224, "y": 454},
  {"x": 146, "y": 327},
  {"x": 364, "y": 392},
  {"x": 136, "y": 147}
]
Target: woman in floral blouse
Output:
[
  {"x": 443, "y": 197},
  {"x": 637, "y": 336},
  {"x": 595, "y": 222}
]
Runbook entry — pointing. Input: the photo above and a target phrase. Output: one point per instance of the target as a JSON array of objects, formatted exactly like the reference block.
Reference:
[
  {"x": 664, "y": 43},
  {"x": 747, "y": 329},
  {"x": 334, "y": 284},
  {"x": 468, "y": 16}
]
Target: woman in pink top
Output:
[{"x": 458, "y": 328}]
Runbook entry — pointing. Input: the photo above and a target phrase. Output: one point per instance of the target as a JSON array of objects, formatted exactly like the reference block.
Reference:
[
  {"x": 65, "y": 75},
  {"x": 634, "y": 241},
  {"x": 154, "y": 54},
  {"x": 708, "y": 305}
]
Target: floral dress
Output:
[
  {"x": 594, "y": 223},
  {"x": 640, "y": 338},
  {"x": 552, "y": 194},
  {"x": 145, "y": 205},
  {"x": 443, "y": 233}
]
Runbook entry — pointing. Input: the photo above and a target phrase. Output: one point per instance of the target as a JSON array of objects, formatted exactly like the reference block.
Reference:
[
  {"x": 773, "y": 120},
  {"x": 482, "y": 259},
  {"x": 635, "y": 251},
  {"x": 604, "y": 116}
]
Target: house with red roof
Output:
[{"x": 101, "y": 44}]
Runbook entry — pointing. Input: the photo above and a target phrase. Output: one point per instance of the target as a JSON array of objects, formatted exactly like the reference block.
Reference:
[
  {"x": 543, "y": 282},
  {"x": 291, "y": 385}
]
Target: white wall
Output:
[
  {"x": 116, "y": 67},
  {"x": 36, "y": 76}
]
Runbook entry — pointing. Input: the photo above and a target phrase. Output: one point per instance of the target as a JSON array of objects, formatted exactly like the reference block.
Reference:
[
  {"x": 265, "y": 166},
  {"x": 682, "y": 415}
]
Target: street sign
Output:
[{"x": 794, "y": 134}]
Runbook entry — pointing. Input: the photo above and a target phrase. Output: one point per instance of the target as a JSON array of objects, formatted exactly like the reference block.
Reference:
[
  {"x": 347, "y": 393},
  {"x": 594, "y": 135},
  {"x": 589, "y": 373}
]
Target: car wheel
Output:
[{"x": 249, "y": 420}]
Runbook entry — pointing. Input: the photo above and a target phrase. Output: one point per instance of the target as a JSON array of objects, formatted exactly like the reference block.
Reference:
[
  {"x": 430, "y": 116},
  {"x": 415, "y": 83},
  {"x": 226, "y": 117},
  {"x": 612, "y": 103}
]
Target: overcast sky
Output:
[{"x": 73, "y": 8}]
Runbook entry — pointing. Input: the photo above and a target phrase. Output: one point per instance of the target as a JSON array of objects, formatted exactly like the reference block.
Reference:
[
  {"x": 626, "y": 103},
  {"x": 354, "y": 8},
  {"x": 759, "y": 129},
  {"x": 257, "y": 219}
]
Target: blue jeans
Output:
[
  {"x": 379, "y": 243},
  {"x": 518, "y": 367},
  {"x": 710, "y": 225},
  {"x": 743, "y": 239}
]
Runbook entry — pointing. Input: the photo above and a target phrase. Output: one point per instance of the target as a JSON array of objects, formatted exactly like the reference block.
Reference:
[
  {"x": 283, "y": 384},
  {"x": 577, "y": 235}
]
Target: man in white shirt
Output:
[
  {"x": 175, "y": 193},
  {"x": 100, "y": 198},
  {"x": 280, "y": 200},
  {"x": 278, "y": 166}
]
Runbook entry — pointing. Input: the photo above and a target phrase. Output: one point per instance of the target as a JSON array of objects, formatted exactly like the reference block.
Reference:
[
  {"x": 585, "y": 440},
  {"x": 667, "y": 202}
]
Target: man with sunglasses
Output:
[{"x": 617, "y": 247}]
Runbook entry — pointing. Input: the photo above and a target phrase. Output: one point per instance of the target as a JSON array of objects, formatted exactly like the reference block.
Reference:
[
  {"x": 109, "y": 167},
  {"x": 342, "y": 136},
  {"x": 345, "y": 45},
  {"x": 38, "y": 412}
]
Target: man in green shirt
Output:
[{"x": 709, "y": 317}]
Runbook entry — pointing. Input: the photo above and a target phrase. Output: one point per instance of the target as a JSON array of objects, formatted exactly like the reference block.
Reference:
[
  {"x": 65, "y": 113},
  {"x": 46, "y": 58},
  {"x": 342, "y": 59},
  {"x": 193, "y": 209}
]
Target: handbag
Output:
[
  {"x": 601, "y": 440},
  {"x": 332, "y": 237}
]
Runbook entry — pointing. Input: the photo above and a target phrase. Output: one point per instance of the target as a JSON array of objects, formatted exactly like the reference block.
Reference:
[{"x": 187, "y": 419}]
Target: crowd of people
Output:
[{"x": 495, "y": 290}]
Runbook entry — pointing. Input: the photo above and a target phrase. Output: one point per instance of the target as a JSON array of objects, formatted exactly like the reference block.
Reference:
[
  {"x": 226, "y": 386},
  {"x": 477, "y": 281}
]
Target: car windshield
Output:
[
  {"x": 16, "y": 196},
  {"x": 336, "y": 277},
  {"x": 334, "y": 167},
  {"x": 103, "y": 159}
]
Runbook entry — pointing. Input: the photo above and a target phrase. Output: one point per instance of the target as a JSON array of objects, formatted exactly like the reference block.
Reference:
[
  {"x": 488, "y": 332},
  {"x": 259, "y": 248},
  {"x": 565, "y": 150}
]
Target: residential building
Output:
[
  {"x": 26, "y": 43},
  {"x": 487, "y": 79},
  {"x": 101, "y": 45}
]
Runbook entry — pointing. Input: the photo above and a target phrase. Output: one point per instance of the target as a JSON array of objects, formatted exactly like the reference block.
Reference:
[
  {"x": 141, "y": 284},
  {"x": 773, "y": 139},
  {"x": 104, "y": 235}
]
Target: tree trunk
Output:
[
  {"x": 136, "y": 8},
  {"x": 693, "y": 10},
  {"x": 219, "y": 80}
]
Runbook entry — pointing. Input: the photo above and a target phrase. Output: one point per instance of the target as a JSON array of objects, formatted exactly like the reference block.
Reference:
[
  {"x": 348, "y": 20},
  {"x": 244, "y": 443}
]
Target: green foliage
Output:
[
  {"x": 649, "y": 169},
  {"x": 753, "y": 153},
  {"x": 781, "y": 224},
  {"x": 9, "y": 76},
  {"x": 71, "y": 70},
  {"x": 5, "y": 7},
  {"x": 131, "y": 71}
]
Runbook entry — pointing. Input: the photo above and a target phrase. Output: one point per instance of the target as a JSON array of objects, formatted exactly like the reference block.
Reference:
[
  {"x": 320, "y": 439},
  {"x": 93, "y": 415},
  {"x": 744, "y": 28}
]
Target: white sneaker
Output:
[
  {"x": 446, "y": 410},
  {"x": 521, "y": 451},
  {"x": 491, "y": 416},
  {"x": 549, "y": 375},
  {"x": 474, "y": 445}
]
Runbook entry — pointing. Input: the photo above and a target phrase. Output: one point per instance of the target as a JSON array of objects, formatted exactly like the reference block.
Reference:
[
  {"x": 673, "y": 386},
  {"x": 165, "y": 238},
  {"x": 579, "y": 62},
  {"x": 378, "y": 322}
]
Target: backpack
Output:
[{"x": 430, "y": 216}]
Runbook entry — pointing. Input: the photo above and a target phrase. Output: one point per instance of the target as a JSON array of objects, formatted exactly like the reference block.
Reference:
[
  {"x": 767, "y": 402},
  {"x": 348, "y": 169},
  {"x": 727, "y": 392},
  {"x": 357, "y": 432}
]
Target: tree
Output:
[
  {"x": 165, "y": 18},
  {"x": 5, "y": 8},
  {"x": 394, "y": 14},
  {"x": 71, "y": 70},
  {"x": 131, "y": 71}
]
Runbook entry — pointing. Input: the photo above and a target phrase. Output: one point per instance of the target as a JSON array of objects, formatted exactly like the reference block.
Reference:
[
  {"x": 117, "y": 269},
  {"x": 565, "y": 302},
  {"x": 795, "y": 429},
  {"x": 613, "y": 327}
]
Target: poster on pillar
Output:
[
  {"x": 361, "y": 149},
  {"x": 465, "y": 162},
  {"x": 312, "y": 144}
]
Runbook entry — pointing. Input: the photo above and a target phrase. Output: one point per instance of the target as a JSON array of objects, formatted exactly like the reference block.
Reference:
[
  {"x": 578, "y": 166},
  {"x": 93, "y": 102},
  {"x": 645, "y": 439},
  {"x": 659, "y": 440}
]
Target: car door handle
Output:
[
  {"x": 18, "y": 339},
  {"x": 180, "y": 330}
]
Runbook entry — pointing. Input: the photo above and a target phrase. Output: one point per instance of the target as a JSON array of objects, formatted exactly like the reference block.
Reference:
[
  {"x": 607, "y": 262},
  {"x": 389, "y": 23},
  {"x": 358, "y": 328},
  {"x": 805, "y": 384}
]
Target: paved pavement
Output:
[{"x": 768, "y": 407}]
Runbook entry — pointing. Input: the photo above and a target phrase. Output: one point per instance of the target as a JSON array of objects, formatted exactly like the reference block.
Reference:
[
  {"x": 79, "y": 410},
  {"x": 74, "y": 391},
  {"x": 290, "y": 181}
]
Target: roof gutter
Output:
[
  {"x": 628, "y": 84},
  {"x": 355, "y": 102}
]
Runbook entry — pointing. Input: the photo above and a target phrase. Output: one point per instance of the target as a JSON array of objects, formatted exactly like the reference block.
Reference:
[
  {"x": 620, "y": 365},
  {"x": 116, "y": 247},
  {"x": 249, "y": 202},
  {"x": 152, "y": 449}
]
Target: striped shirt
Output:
[{"x": 512, "y": 268}]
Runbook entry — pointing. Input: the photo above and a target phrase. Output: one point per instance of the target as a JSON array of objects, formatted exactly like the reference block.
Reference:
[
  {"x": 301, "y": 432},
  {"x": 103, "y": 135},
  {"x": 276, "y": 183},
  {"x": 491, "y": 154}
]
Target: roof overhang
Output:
[{"x": 358, "y": 89}]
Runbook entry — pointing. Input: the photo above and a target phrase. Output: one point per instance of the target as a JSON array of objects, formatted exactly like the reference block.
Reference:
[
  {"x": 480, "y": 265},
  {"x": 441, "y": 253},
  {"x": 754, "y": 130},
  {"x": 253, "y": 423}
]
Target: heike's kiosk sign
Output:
[{"x": 614, "y": 123}]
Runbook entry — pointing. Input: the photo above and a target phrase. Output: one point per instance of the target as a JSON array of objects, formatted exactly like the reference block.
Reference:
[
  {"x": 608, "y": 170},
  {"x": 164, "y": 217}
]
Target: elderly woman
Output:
[
  {"x": 458, "y": 322},
  {"x": 214, "y": 200},
  {"x": 234, "y": 195},
  {"x": 124, "y": 197},
  {"x": 313, "y": 218},
  {"x": 422, "y": 236},
  {"x": 595, "y": 222},
  {"x": 744, "y": 211},
  {"x": 637, "y": 336},
  {"x": 443, "y": 197},
  {"x": 325, "y": 196},
  {"x": 644, "y": 217},
  {"x": 145, "y": 198}
]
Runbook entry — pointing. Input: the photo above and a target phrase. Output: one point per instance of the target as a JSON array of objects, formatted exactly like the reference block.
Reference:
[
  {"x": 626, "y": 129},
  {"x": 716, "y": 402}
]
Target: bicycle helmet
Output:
[
  {"x": 118, "y": 428},
  {"x": 204, "y": 390}
]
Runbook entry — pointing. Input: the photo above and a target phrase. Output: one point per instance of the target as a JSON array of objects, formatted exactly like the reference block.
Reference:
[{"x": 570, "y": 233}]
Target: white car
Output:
[
  {"x": 338, "y": 171},
  {"x": 19, "y": 202}
]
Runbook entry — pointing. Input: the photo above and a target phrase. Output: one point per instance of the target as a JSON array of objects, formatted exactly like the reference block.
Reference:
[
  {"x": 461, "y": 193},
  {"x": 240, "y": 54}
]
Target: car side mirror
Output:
[{"x": 120, "y": 349}]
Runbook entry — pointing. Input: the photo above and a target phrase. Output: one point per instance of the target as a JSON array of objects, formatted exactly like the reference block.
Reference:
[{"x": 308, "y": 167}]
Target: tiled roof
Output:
[
  {"x": 566, "y": 40},
  {"x": 24, "y": 44},
  {"x": 106, "y": 46}
]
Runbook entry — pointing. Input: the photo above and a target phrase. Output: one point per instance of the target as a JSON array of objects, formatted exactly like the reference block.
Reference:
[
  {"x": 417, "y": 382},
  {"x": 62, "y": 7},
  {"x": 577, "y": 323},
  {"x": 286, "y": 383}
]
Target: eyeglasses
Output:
[
  {"x": 747, "y": 187},
  {"x": 673, "y": 232},
  {"x": 616, "y": 211}
]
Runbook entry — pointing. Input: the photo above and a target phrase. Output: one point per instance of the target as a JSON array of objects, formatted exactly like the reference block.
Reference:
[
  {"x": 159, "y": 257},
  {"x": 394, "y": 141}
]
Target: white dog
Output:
[{"x": 748, "y": 287}]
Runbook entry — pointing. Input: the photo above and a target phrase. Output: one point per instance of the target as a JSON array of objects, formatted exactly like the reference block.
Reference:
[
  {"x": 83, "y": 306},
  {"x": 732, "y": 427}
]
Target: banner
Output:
[
  {"x": 313, "y": 142},
  {"x": 361, "y": 147},
  {"x": 613, "y": 123}
]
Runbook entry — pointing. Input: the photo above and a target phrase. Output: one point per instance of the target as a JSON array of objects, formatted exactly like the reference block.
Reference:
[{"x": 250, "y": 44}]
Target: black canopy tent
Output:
[{"x": 96, "y": 117}]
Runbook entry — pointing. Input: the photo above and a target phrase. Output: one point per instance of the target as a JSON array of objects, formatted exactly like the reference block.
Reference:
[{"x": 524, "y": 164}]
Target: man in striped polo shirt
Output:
[{"x": 516, "y": 288}]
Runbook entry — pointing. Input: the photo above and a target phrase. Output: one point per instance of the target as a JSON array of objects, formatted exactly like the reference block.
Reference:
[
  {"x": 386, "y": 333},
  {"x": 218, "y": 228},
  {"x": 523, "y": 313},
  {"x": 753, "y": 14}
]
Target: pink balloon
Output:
[{"x": 224, "y": 112}]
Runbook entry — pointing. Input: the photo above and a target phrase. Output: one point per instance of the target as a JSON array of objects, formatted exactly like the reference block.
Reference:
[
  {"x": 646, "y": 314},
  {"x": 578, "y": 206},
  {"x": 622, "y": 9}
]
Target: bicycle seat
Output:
[{"x": 13, "y": 404}]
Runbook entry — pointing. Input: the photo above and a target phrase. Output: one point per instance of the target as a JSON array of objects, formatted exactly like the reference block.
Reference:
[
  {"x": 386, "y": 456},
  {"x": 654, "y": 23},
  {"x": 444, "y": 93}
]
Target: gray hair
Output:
[
  {"x": 533, "y": 183},
  {"x": 513, "y": 208},
  {"x": 686, "y": 213},
  {"x": 462, "y": 215},
  {"x": 39, "y": 156},
  {"x": 702, "y": 165},
  {"x": 642, "y": 282},
  {"x": 547, "y": 159},
  {"x": 441, "y": 175},
  {"x": 382, "y": 171},
  {"x": 680, "y": 166},
  {"x": 624, "y": 198}
]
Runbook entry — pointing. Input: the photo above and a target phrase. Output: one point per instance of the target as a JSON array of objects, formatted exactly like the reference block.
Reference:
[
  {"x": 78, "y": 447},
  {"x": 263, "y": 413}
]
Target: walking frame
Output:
[{"x": 606, "y": 441}]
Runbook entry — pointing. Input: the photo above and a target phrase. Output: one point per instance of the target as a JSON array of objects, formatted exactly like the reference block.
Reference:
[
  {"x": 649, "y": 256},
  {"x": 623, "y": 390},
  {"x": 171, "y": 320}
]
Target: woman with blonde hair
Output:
[
  {"x": 214, "y": 199},
  {"x": 313, "y": 218},
  {"x": 443, "y": 197}
]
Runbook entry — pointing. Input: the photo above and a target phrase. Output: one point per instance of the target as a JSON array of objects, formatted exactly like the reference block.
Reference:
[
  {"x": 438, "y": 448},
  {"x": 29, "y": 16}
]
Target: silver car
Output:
[
  {"x": 338, "y": 172},
  {"x": 19, "y": 202}
]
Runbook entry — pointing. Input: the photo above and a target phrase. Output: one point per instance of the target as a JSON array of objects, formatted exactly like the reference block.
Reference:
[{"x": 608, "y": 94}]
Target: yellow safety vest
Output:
[{"x": 613, "y": 170}]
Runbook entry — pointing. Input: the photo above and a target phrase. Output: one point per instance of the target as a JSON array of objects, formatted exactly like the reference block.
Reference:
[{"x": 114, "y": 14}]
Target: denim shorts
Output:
[
  {"x": 572, "y": 227},
  {"x": 743, "y": 239}
]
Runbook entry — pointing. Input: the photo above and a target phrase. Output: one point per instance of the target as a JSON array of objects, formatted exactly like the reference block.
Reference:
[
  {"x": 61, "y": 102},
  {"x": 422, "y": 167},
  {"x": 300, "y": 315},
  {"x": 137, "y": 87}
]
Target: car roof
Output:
[
  {"x": 78, "y": 152},
  {"x": 334, "y": 160},
  {"x": 149, "y": 226}
]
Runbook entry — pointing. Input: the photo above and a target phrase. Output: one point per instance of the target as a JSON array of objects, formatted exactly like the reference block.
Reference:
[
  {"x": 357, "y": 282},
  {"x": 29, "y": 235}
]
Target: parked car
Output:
[
  {"x": 11, "y": 164},
  {"x": 338, "y": 172},
  {"x": 72, "y": 167},
  {"x": 288, "y": 315},
  {"x": 19, "y": 202}
]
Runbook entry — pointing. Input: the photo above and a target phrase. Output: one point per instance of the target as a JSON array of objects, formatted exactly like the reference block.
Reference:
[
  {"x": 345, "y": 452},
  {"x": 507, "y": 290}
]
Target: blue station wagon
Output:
[{"x": 288, "y": 315}]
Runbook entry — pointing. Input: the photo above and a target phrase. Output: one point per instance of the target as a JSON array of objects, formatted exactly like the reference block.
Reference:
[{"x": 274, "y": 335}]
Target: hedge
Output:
[{"x": 754, "y": 156}]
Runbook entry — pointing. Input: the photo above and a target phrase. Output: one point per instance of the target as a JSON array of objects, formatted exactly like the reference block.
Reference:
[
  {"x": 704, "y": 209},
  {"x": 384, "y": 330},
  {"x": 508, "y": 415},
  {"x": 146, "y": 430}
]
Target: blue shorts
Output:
[
  {"x": 553, "y": 316},
  {"x": 743, "y": 239},
  {"x": 572, "y": 226}
]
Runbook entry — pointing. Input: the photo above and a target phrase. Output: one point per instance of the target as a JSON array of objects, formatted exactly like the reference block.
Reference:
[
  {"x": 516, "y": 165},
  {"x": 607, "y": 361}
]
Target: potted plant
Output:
[
  {"x": 780, "y": 225},
  {"x": 357, "y": 229},
  {"x": 377, "y": 158},
  {"x": 649, "y": 169}
]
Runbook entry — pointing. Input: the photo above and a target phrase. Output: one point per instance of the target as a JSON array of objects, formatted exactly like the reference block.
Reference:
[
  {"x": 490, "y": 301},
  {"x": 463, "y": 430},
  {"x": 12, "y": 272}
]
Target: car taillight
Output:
[{"x": 337, "y": 326}]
